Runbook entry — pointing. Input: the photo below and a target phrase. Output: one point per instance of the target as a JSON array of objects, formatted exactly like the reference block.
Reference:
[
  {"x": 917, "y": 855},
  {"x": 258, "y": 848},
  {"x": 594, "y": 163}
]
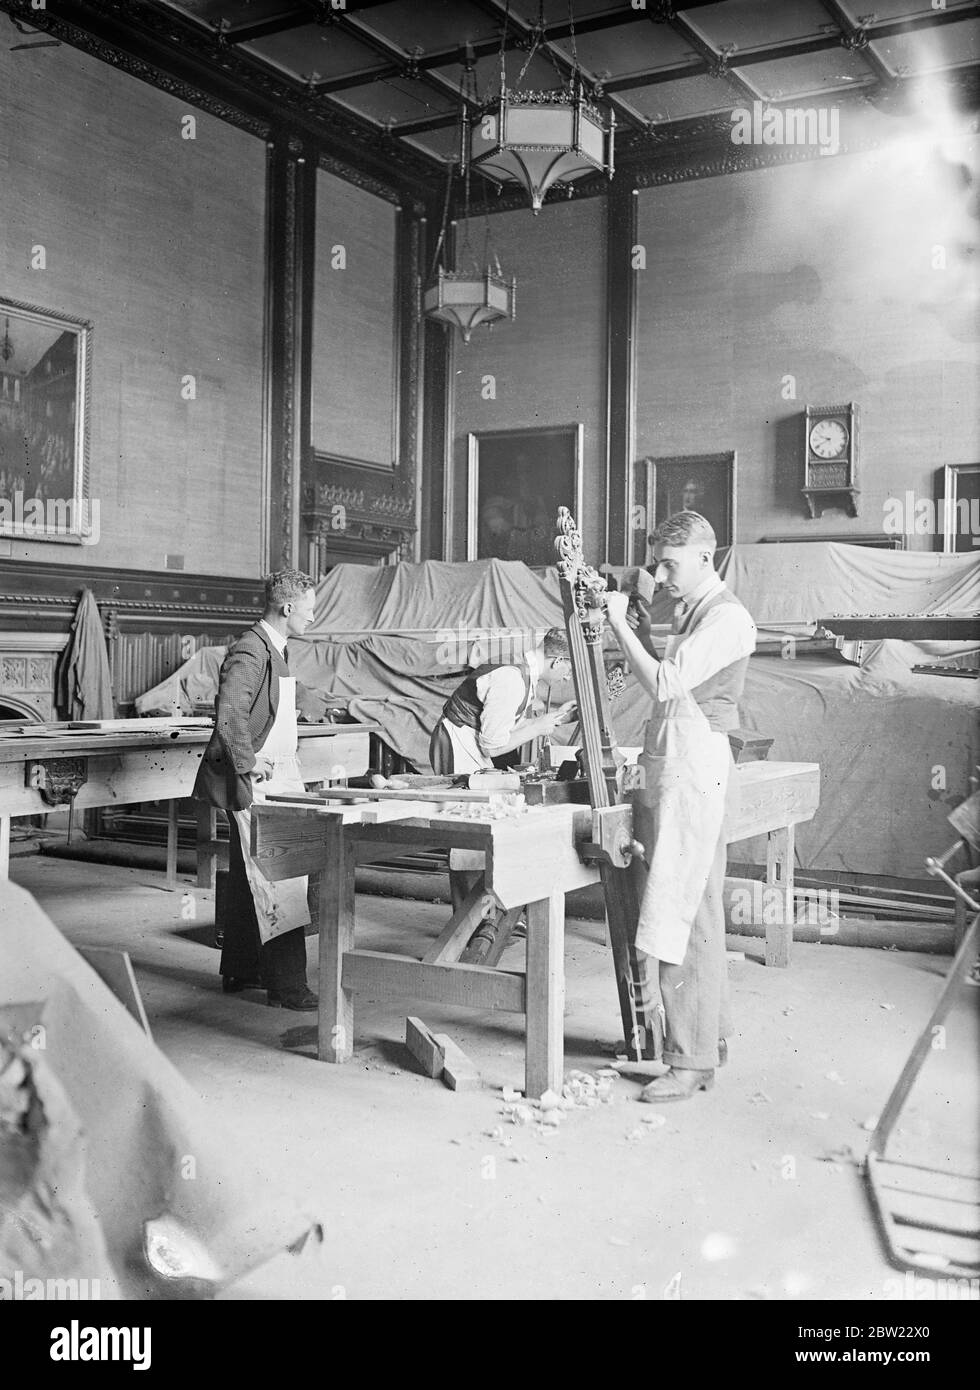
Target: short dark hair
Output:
[
  {"x": 685, "y": 528},
  {"x": 555, "y": 643},
  {"x": 282, "y": 586}
]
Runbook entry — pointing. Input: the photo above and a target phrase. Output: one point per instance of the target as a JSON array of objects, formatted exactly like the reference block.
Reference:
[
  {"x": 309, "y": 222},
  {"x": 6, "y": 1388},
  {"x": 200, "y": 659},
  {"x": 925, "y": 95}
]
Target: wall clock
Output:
[{"x": 830, "y": 458}]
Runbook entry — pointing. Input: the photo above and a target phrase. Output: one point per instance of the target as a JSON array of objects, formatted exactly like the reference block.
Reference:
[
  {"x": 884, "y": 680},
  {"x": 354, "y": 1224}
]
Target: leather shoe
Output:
[
  {"x": 234, "y": 984},
  {"x": 677, "y": 1085},
  {"x": 300, "y": 1000}
]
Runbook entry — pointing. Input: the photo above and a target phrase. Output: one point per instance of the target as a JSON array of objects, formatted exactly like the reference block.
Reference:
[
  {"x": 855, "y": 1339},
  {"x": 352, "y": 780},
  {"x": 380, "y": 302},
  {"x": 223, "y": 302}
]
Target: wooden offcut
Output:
[
  {"x": 458, "y": 1072},
  {"x": 424, "y": 1047}
]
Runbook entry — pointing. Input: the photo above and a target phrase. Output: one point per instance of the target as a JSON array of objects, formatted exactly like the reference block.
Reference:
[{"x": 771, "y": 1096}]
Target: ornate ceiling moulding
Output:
[{"x": 182, "y": 59}]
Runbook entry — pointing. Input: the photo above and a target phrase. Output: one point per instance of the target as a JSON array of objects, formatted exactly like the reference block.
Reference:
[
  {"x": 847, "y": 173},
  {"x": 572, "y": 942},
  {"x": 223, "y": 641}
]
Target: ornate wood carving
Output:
[{"x": 581, "y": 590}]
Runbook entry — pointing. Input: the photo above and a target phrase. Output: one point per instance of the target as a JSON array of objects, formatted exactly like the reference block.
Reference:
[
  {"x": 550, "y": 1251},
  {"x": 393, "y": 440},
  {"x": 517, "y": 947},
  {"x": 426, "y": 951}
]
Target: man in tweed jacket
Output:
[{"x": 233, "y": 764}]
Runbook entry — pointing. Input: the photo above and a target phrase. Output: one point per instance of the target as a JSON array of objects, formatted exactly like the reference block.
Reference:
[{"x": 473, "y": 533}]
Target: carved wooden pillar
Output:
[
  {"x": 290, "y": 244},
  {"x": 621, "y": 237}
]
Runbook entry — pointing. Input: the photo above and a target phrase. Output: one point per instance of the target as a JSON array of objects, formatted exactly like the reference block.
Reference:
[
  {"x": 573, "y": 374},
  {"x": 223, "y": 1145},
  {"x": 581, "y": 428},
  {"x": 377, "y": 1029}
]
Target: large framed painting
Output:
[
  {"x": 517, "y": 480},
  {"x": 45, "y": 364},
  {"x": 702, "y": 483}
]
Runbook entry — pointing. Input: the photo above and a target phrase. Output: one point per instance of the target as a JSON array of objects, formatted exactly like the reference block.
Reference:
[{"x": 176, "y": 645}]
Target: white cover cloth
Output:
[{"x": 279, "y": 907}]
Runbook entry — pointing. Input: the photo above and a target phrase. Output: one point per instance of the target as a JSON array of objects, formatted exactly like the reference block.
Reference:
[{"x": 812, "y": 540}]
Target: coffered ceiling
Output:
[{"x": 389, "y": 74}]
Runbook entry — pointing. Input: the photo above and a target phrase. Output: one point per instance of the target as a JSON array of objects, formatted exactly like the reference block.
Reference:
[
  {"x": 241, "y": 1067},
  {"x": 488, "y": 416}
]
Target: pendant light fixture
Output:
[
  {"x": 541, "y": 138},
  {"x": 476, "y": 291}
]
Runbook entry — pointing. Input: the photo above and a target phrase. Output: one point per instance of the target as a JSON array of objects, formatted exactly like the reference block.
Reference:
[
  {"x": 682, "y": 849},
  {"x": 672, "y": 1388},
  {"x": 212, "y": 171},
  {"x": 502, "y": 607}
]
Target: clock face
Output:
[{"x": 828, "y": 439}]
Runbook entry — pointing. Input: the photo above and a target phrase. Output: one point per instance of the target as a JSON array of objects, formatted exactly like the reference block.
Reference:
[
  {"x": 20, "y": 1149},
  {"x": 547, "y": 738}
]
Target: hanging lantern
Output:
[
  {"x": 541, "y": 138},
  {"x": 465, "y": 299}
]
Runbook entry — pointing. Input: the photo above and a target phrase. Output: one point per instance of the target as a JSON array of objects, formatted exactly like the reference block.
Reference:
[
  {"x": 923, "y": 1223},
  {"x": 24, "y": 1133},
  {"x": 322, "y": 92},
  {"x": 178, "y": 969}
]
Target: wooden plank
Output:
[
  {"x": 207, "y": 844},
  {"x": 545, "y": 995},
  {"x": 424, "y": 1047},
  {"x": 115, "y": 969},
  {"x": 388, "y": 976},
  {"x": 288, "y": 842},
  {"x": 335, "y": 1021},
  {"x": 762, "y": 796},
  {"x": 780, "y": 851},
  {"x": 531, "y": 856},
  {"x": 458, "y": 1072},
  {"x": 172, "y": 844},
  {"x": 451, "y": 942}
]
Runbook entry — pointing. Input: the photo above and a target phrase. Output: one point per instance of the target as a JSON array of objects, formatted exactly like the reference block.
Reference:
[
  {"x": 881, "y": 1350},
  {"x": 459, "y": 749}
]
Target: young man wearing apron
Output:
[
  {"x": 487, "y": 716},
  {"x": 679, "y": 807},
  {"x": 252, "y": 752}
]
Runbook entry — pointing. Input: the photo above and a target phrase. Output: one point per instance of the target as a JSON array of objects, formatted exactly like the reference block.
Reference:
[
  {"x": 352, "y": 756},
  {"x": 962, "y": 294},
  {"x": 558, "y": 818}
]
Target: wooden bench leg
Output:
[
  {"x": 545, "y": 996},
  {"x": 172, "y": 833},
  {"x": 335, "y": 1027},
  {"x": 780, "y": 854},
  {"x": 207, "y": 835}
]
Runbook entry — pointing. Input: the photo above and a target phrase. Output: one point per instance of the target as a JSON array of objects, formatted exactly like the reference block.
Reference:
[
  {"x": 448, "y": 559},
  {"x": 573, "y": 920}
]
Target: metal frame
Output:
[{"x": 473, "y": 438}]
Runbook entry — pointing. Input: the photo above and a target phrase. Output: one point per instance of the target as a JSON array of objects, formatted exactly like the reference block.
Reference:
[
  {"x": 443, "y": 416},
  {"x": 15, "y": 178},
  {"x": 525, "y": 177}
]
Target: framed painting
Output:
[
  {"x": 702, "y": 483},
  {"x": 959, "y": 513},
  {"x": 45, "y": 366},
  {"x": 517, "y": 480}
]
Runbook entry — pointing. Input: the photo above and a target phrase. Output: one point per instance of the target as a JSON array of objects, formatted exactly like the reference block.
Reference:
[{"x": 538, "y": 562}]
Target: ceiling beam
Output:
[
  {"x": 524, "y": 34},
  {"x": 299, "y": 15},
  {"x": 856, "y": 39}
]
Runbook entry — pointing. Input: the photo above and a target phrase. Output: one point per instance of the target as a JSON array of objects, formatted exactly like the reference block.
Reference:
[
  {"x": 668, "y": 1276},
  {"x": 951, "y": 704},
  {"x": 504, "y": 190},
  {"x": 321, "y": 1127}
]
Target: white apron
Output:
[
  {"x": 279, "y": 907},
  {"x": 468, "y": 756},
  {"x": 679, "y": 812}
]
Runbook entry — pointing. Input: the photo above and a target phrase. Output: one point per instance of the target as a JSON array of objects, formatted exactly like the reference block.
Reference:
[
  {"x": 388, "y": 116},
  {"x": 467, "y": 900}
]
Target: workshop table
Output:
[
  {"x": 51, "y": 767},
  {"x": 532, "y": 861}
]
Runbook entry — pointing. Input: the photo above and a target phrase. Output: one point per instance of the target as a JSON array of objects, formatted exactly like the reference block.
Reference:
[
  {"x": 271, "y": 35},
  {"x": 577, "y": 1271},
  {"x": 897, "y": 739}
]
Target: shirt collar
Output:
[
  {"x": 276, "y": 638},
  {"x": 711, "y": 584}
]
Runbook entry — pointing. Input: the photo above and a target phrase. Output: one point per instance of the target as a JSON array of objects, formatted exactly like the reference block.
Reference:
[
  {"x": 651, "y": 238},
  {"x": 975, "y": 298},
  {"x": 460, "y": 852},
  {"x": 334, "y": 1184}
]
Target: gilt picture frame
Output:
[
  {"x": 516, "y": 481},
  {"x": 45, "y": 390}
]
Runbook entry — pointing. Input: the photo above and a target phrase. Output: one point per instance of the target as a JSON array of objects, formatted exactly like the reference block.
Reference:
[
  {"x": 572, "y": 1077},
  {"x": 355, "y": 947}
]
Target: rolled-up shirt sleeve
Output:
[
  {"x": 502, "y": 694},
  {"x": 724, "y": 635}
]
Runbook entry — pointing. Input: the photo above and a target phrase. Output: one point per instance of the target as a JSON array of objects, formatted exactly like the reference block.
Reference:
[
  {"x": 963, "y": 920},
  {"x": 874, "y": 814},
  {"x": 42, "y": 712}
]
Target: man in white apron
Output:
[
  {"x": 679, "y": 806},
  {"x": 252, "y": 753}
]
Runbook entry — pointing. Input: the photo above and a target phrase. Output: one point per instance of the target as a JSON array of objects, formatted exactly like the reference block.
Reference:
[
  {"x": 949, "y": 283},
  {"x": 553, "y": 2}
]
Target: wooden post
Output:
[
  {"x": 335, "y": 1029},
  {"x": 545, "y": 995},
  {"x": 780, "y": 852},
  {"x": 172, "y": 829},
  {"x": 4, "y": 847},
  {"x": 207, "y": 834}
]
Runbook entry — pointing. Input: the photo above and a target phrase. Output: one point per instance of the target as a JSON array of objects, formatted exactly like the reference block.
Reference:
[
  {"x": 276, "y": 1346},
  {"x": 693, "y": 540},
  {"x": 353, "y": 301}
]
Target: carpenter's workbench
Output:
[
  {"x": 52, "y": 766},
  {"x": 532, "y": 860}
]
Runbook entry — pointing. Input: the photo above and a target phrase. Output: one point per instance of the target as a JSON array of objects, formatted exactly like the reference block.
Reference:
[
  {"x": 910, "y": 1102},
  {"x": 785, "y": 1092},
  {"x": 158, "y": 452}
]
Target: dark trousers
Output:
[{"x": 280, "y": 964}]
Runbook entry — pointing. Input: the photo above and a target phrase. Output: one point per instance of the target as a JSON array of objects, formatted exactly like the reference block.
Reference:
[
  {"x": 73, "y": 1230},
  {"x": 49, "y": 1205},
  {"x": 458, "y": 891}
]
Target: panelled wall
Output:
[
  {"x": 834, "y": 280},
  {"x": 547, "y": 366},
  {"x": 159, "y": 241},
  {"x": 821, "y": 282}
]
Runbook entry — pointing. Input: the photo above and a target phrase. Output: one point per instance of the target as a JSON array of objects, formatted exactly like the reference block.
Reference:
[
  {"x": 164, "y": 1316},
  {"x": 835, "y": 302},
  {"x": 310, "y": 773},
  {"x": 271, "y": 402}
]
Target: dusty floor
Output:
[{"x": 744, "y": 1193}]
